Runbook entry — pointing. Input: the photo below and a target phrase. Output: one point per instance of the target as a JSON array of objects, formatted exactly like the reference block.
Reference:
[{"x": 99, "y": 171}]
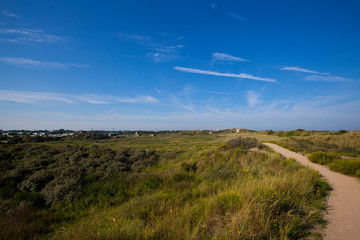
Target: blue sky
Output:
[{"x": 180, "y": 64}]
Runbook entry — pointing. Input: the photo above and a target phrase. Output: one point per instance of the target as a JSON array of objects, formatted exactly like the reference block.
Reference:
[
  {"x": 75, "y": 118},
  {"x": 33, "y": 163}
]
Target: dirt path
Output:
[{"x": 344, "y": 202}]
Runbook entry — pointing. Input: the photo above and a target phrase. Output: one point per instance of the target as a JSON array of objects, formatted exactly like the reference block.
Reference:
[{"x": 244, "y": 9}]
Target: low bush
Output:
[
  {"x": 59, "y": 172},
  {"x": 150, "y": 183},
  {"x": 188, "y": 167},
  {"x": 244, "y": 143},
  {"x": 322, "y": 158},
  {"x": 291, "y": 134},
  {"x": 346, "y": 166}
]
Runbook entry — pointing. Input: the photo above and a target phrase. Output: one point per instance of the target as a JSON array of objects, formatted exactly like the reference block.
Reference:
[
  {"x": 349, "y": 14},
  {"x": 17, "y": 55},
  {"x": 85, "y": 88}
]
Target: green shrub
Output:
[
  {"x": 150, "y": 183},
  {"x": 357, "y": 173},
  {"x": 244, "y": 143},
  {"x": 321, "y": 188},
  {"x": 60, "y": 172},
  {"x": 182, "y": 177},
  {"x": 340, "y": 132},
  {"x": 346, "y": 166},
  {"x": 290, "y": 134},
  {"x": 322, "y": 158},
  {"x": 188, "y": 167},
  {"x": 223, "y": 147},
  {"x": 32, "y": 199},
  {"x": 270, "y": 132},
  {"x": 228, "y": 201}
]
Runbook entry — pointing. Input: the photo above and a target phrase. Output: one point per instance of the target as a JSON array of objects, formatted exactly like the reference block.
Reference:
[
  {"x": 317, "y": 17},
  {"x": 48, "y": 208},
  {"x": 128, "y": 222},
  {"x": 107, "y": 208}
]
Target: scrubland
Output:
[
  {"x": 192, "y": 185},
  {"x": 339, "y": 150}
]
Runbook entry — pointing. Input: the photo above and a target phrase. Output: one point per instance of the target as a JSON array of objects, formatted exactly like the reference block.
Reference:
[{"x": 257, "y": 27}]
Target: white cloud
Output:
[
  {"x": 241, "y": 75},
  {"x": 297, "y": 69},
  {"x": 164, "y": 53},
  {"x": 235, "y": 15},
  {"x": 326, "y": 78},
  {"x": 316, "y": 113},
  {"x": 141, "y": 99},
  {"x": 33, "y": 97},
  {"x": 252, "y": 98},
  {"x": 226, "y": 57},
  {"x": 25, "y": 62},
  {"x": 158, "y": 50},
  {"x": 309, "y": 116},
  {"x": 46, "y": 97},
  {"x": 27, "y": 35},
  {"x": 31, "y": 63},
  {"x": 135, "y": 37},
  {"x": 216, "y": 92},
  {"x": 79, "y": 65},
  {"x": 9, "y": 14}
]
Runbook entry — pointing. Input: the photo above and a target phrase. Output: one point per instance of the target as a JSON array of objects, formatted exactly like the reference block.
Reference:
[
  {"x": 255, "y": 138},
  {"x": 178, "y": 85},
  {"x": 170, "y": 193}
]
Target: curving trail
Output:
[{"x": 343, "y": 210}]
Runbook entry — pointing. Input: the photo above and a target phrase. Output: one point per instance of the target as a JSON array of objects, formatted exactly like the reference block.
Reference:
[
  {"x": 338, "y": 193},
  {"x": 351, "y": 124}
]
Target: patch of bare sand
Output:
[{"x": 343, "y": 210}]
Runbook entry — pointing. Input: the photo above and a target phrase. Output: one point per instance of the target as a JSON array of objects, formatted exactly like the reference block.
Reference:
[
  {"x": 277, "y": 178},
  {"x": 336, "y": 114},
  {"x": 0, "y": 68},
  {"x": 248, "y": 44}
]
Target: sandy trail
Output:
[{"x": 343, "y": 211}]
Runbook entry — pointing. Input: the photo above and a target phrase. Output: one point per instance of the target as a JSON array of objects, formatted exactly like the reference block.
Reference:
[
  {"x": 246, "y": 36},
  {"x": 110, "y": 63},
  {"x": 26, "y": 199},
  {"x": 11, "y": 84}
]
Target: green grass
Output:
[{"x": 171, "y": 186}]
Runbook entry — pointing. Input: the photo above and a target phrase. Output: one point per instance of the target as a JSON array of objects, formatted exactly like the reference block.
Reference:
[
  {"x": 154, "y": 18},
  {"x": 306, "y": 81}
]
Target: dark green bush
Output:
[
  {"x": 182, "y": 177},
  {"x": 188, "y": 167},
  {"x": 340, "y": 132},
  {"x": 35, "y": 200},
  {"x": 346, "y": 166},
  {"x": 244, "y": 143},
  {"x": 322, "y": 158},
  {"x": 149, "y": 184},
  {"x": 59, "y": 172},
  {"x": 291, "y": 134},
  {"x": 270, "y": 132}
]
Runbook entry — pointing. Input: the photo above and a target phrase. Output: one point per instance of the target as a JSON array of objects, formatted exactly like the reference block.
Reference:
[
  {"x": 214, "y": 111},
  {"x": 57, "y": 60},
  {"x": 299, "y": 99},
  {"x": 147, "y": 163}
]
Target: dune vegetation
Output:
[
  {"x": 339, "y": 150},
  {"x": 180, "y": 185}
]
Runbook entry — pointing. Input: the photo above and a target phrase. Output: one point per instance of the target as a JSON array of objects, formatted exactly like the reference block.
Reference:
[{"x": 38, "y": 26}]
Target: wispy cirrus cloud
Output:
[
  {"x": 317, "y": 78},
  {"x": 232, "y": 14},
  {"x": 46, "y": 97},
  {"x": 252, "y": 98},
  {"x": 298, "y": 69},
  {"x": 216, "y": 92},
  {"x": 31, "y": 63},
  {"x": 33, "y": 97},
  {"x": 164, "y": 53},
  {"x": 135, "y": 37},
  {"x": 286, "y": 115},
  {"x": 223, "y": 57},
  {"x": 237, "y": 16},
  {"x": 9, "y": 14},
  {"x": 28, "y": 35},
  {"x": 79, "y": 65},
  {"x": 241, "y": 75},
  {"x": 162, "y": 50}
]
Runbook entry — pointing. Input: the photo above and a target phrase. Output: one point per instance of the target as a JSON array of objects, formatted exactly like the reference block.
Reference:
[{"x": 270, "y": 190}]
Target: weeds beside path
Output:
[{"x": 343, "y": 211}]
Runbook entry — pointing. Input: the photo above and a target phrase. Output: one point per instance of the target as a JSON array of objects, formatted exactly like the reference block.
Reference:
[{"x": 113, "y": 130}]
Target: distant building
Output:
[{"x": 137, "y": 134}]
